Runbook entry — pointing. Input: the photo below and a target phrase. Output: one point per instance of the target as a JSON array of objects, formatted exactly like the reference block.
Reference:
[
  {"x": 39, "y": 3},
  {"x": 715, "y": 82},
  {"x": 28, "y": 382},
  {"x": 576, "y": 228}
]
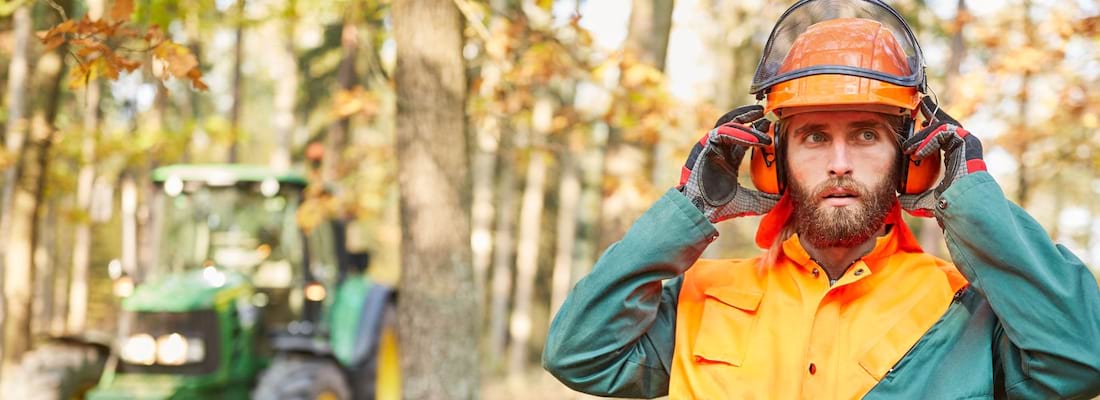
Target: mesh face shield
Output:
[{"x": 853, "y": 51}]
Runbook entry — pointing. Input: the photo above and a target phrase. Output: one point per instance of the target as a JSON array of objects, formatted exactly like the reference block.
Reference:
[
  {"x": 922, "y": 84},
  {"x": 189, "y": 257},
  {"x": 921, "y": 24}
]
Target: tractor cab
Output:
[{"x": 247, "y": 299}]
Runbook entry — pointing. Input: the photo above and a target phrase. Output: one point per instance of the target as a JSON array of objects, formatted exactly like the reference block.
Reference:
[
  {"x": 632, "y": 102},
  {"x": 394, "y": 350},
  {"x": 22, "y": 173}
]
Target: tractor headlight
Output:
[
  {"x": 140, "y": 349},
  {"x": 171, "y": 349},
  {"x": 175, "y": 349}
]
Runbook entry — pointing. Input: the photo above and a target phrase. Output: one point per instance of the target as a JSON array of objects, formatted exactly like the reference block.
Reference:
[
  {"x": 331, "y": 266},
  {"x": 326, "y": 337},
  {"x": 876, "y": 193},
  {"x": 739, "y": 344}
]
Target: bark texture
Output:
[{"x": 438, "y": 314}]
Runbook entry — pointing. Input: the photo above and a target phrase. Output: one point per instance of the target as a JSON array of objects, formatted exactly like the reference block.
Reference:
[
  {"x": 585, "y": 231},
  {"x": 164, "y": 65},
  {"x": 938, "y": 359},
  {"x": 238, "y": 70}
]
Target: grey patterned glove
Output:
[
  {"x": 709, "y": 177},
  {"x": 962, "y": 155}
]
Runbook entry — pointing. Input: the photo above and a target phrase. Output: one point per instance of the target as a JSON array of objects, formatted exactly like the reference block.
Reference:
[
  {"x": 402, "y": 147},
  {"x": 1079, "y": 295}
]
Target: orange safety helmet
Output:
[{"x": 840, "y": 55}]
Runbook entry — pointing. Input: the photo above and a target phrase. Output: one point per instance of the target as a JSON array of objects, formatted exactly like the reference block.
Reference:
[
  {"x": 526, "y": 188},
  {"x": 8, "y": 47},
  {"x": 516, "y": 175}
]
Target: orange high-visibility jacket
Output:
[{"x": 750, "y": 331}]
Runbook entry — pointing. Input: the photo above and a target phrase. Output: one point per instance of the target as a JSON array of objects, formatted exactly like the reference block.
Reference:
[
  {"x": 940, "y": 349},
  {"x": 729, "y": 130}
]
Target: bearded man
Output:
[{"x": 843, "y": 303}]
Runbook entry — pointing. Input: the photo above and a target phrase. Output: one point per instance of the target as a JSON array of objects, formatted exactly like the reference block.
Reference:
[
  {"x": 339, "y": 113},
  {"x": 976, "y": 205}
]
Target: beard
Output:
[{"x": 827, "y": 226}]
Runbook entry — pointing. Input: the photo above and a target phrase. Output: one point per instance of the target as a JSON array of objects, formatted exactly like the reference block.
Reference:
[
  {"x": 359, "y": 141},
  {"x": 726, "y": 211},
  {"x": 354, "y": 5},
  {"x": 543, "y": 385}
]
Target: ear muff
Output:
[
  {"x": 769, "y": 176},
  {"x": 917, "y": 176},
  {"x": 767, "y": 172}
]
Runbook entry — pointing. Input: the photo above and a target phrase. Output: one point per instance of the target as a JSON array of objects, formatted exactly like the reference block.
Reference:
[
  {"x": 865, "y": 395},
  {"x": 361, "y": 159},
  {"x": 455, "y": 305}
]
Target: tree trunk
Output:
[
  {"x": 82, "y": 231},
  {"x": 19, "y": 266},
  {"x": 235, "y": 112},
  {"x": 569, "y": 195},
  {"x": 14, "y": 135},
  {"x": 588, "y": 215},
  {"x": 481, "y": 229},
  {"x": 503, "y": 250},
  {"x": 286, "y": 96},
  {"x": 438, "y": 316},
  {"x": 650, "y": 23},
  {"x": 628, "y": 164},
  {"x": 530, "y": 226},
  {"x": 333, "y": 167},
  {"x": 128, "y": 200}
]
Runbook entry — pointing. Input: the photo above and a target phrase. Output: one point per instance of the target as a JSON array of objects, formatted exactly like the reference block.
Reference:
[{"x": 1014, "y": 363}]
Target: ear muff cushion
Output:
[
  {"x": 765, "y": 168},
  {"x": 919, "y": 176}
]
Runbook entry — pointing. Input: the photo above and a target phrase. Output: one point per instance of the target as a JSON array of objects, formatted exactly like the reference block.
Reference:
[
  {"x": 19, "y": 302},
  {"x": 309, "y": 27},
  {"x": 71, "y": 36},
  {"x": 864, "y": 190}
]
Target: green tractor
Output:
[{"x": 242, "y": 303}]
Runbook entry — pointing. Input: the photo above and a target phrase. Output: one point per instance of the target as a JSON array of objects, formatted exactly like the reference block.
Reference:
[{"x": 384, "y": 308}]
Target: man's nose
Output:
[{"x": 840, "y": 164}]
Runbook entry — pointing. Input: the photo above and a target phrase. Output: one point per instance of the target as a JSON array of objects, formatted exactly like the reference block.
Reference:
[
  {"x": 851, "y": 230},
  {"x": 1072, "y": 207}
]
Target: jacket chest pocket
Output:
[{"x": 725, "y": 328}]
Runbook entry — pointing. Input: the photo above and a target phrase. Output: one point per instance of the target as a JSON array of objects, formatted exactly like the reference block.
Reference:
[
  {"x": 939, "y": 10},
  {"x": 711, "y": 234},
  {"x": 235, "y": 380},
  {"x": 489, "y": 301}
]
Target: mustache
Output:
[{"x": 845, "y": 183}]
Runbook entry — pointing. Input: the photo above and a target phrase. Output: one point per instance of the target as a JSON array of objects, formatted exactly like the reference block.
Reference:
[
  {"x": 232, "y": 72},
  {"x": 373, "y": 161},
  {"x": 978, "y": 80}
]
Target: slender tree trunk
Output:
[
  {"x": 286, "y": 95},
  {"x": 82, "y": 231},
  {"x": 59, "y": 253},
  {"x": 629, "y": 164},
  {"x": 650, "y": 23},
  {"x": 503, "y": 250},
  {"x": 46, "y": 274},
  {"x": 1025, "y": 137},
  {"x": 235, "y": 112},
  {"x": 484, "y": 166},
  {"x": 189, "y": 107},
  {"x": 19, "y": 266},
  {"x": 338, "y": 133},
  {"x": 588, "y": 216},
  {"x": 14, "y": 135},
  {"x": 569, "y": 196},
  {"x": 438, "y": 316},
  {"x": 128, "y": 200},
  {"x": 530, "y": 226}
]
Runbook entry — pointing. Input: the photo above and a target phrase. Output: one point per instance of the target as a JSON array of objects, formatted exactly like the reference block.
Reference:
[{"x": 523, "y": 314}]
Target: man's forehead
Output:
[{"x": 838, "y": 119}]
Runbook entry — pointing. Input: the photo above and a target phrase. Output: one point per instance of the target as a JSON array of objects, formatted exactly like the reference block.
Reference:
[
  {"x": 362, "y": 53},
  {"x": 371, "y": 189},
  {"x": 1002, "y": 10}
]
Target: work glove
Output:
[
  {"x": 962, "y": 155},
  {"x": 709, "y": 177}
]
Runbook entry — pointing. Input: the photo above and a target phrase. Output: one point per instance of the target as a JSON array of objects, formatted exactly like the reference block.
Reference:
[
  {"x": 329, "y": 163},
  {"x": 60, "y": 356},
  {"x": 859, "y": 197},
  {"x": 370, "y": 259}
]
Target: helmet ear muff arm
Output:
[
  {"x": 780, "y": 156},
  {"x": 903, "y": 159}
]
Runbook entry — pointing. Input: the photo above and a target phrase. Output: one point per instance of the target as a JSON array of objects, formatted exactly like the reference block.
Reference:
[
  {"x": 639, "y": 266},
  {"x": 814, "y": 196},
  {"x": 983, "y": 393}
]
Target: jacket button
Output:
[
  {"x": 816, "y": 273},
  {"x": 943, "y": 204},
  {"x": 813, "y": 369},
  {"x": 859, "y": 272}
]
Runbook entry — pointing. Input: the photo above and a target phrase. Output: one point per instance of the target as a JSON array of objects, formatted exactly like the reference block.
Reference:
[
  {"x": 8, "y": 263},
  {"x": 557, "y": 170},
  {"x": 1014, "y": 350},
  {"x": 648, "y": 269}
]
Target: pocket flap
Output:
[
  {"x": 729, "y": 314},
  {"x": 742, "y": 298}
]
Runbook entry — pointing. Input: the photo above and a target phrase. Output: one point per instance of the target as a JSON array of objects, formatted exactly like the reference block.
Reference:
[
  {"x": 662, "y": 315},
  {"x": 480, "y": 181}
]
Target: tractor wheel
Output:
[
  {"x": 58, "y": 371},
  {"x": 302, "y": 378}
]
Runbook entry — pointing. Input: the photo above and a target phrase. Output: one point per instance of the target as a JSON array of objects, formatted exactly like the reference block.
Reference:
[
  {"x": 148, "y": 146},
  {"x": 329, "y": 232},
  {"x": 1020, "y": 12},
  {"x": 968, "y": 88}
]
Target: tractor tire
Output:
[
  {"x": 58, "y": 371},
  {"x": 302, "y": 378}
]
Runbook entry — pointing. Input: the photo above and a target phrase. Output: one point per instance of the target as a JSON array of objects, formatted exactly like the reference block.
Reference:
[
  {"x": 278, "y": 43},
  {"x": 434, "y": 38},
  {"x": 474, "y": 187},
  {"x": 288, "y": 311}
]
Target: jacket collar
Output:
[{"x": 899, "y": 237}]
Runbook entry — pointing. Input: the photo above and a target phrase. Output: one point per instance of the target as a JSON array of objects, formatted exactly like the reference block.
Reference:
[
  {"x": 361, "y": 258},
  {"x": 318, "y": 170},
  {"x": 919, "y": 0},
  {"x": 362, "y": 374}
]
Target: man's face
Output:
[{"x": 842, "y": 174}]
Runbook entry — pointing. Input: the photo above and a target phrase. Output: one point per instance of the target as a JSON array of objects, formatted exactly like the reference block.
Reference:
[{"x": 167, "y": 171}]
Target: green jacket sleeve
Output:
[
  {"x": 614, "y": 335},
  {"x": 1045, "y": 299}
]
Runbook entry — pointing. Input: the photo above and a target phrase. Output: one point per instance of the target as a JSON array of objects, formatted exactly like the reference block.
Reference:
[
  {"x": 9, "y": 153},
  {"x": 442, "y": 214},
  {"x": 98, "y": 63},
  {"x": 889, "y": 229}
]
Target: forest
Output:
[{"x": 480, "y": 153}]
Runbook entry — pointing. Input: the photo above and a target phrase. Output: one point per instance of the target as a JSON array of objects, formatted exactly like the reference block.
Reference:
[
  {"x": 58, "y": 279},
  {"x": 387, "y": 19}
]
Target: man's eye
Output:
[
  {"x": 868, "y": 135},
  {"x": 816, "y": 137}
]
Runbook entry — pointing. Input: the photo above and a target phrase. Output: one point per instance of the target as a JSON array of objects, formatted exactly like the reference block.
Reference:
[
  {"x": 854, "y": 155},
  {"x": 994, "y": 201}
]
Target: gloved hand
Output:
[
  {"x": 709, "y": 177},
  {"x": 962, "y": 155}
]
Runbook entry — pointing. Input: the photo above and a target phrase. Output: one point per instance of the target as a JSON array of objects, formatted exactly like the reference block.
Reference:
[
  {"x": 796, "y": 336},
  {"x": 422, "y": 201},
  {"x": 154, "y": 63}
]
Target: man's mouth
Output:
[{"x": 839, "y": 197}]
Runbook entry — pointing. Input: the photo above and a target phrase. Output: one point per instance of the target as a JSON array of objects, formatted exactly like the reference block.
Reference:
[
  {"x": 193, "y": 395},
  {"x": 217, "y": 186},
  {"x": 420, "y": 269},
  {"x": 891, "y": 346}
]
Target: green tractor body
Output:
[{"x": 245, "y": 303}]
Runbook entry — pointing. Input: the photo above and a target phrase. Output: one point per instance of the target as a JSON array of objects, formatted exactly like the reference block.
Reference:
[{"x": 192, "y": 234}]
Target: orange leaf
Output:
[
  {"x": 126, "y": 64},
  {"x": 122, "y": 9},
  {"x": 54, "y": 42},
  {"x": 196, "y": 79},
  {"x": 68, "y": 26}
]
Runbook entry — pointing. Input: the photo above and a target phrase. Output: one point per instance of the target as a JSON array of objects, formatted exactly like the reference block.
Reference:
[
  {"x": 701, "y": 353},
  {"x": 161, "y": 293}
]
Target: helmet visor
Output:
[{"x": 864, "y": 38}]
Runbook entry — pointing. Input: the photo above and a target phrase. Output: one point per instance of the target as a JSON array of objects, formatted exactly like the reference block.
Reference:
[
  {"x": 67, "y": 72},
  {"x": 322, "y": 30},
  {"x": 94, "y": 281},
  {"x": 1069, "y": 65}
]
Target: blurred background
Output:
[{"x": 579, "y": 114}]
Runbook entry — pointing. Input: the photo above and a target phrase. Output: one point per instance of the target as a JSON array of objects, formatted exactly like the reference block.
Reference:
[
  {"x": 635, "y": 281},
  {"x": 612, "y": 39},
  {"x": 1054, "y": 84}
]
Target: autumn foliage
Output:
[{"x": 101, "y": 48}]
